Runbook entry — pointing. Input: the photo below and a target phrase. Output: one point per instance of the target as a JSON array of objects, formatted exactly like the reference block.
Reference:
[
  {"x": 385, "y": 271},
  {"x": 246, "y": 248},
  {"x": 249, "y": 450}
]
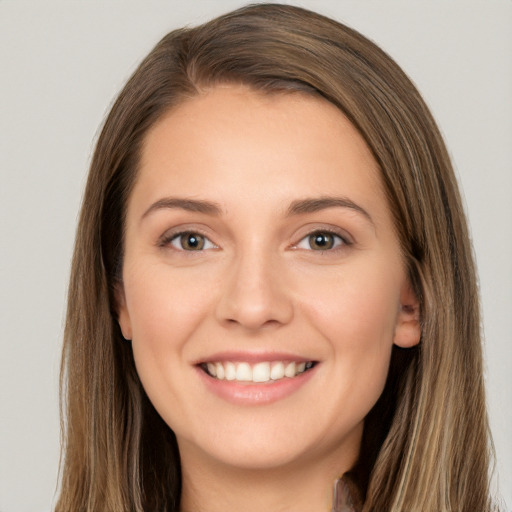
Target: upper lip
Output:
[{"x": 252, "y": 357}]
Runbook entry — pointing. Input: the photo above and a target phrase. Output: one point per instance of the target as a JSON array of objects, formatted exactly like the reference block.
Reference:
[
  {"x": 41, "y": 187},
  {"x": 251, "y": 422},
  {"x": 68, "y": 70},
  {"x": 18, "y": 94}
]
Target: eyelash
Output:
[
  {"x": 172, "y": 237},
  {"x": 339, "y": 241}
]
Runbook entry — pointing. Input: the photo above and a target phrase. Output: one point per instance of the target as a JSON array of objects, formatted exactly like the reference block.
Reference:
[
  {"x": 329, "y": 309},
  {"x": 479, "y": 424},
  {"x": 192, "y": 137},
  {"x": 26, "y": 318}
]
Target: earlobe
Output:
[
  {"x": 123, "y": 317},
  {"x": 408, "y": 324}
]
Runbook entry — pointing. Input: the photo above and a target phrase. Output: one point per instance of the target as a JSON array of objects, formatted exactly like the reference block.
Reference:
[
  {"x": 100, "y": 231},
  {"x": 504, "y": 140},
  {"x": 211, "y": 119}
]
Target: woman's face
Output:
[{"x": 263, "y": 286}]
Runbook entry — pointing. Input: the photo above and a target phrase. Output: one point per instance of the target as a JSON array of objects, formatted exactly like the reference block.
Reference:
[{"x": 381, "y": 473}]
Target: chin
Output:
[{"x": 272, "y": 445}]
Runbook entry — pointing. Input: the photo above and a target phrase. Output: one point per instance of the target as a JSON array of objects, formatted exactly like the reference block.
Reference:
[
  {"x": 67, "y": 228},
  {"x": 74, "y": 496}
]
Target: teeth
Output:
[
  {"x": 230, "y": 371},
  {"x": 290, "y": 370},
  {"x": 260, "y": 372},
  {"x": 277, "y": 371},
  {"x": 212, "y": 369},
  {"x": 219, "y": 371},
  {"x": 243, "y": 372}
]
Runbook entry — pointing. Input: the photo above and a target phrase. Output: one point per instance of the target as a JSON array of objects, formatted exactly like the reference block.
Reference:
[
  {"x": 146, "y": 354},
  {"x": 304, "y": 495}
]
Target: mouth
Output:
[{"x": 258, "y": 373}]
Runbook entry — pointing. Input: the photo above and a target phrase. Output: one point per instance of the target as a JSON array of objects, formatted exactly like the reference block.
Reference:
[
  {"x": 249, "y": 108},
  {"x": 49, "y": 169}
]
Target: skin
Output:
[{"x": 260, "y": 286}]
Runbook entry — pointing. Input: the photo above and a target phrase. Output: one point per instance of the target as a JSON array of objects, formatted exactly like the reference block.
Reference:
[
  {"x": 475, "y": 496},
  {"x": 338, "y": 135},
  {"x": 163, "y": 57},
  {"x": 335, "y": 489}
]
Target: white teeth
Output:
[
  {"x": 290, "y": 370},
  {"x": 219, "y": 371},
  {"x": 230, "y": 371},
  {"x": 243, "y": 372},
  {"x": 277, "y": 371},
  {"x": 212, "y": 369},
  {"x": 260, "y": 372}
]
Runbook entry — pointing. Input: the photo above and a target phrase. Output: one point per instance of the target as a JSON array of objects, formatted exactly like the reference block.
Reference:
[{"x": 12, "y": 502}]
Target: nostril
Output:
[{"x": 253, "y": 296}]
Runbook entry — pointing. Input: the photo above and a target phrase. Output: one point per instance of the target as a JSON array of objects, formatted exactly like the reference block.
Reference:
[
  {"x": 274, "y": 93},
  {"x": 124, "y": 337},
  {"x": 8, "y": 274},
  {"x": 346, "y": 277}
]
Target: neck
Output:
[{"x": 214, "y": 487}]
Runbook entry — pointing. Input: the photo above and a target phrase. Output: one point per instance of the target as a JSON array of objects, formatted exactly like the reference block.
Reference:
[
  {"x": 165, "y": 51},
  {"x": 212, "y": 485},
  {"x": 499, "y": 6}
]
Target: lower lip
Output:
[{"x": 241, "y": 393}]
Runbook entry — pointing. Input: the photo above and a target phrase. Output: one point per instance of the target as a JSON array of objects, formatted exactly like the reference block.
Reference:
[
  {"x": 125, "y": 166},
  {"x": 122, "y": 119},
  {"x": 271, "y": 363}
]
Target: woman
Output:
[{"x": 272, "y": 287}]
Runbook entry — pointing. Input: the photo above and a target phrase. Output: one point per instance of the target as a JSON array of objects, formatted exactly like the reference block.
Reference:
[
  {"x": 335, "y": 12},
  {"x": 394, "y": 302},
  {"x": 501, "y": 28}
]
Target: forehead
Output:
[{"x": 230, "y": 141}]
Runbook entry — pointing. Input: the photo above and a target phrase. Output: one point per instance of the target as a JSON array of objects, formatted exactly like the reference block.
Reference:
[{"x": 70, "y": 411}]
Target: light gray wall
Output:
[{"x": 61, "y": 64}]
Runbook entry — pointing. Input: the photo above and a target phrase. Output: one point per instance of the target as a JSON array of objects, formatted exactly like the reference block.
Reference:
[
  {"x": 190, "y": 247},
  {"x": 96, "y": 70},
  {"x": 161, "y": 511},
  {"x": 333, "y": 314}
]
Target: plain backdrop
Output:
[{"x": 61, "y": 65}]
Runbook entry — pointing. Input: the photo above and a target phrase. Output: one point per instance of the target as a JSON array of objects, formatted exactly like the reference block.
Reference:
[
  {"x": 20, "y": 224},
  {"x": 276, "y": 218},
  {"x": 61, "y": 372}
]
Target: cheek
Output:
[
  {"x": 165, "y": 310},
  {"x": 357, "y": 308},
  {"x": 164, "y": 305},
  {"x": 357, "y": 314}
]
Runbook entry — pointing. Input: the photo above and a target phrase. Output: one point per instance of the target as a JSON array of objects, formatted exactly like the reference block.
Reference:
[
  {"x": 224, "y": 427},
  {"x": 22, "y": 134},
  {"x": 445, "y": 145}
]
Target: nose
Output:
[{"x": 254, "y": 294}]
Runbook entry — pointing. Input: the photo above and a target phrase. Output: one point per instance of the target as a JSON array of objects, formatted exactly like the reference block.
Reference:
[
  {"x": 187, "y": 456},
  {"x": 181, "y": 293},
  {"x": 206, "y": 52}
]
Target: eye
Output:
[
  {"x": 321, "y": 241},
  {"x": 189, "y": 241}
]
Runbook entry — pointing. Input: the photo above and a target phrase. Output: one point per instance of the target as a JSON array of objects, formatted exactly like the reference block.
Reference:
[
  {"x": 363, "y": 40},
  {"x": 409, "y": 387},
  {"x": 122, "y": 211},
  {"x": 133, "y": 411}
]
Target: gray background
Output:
[{"x": 61, "y": 64}]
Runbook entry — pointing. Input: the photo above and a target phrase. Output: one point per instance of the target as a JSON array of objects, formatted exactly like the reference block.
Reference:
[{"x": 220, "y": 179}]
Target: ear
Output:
[
  {"x": 123, "y": 316},
  {"x": 407, "y": 329}
]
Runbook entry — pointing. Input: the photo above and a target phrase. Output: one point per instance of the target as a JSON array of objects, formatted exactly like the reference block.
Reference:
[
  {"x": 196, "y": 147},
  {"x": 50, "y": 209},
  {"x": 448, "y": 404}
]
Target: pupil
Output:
[
  {"x": 321, "y": 241},
  {"x": 191, "y": 241}
]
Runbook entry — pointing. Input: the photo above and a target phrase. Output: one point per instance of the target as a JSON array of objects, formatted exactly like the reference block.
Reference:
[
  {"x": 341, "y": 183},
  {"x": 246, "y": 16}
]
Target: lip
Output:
[
  {"x": 252, "y": 357},
  {"x": 249, "y": 394}
]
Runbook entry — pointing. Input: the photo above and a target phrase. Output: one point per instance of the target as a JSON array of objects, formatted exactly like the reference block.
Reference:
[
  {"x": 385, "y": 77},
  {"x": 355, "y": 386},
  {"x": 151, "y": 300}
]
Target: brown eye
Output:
[
  {"x": 190, "y": 241},
  {"x": 321, "y": 241}
]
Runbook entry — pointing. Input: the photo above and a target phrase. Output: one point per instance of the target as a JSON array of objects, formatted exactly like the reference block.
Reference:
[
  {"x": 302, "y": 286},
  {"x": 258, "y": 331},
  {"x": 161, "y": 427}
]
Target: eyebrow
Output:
[
  {"x": 190, "y": 205},
  {"x": 298, "y": 207},
  {"x": 312, "y": 205}
]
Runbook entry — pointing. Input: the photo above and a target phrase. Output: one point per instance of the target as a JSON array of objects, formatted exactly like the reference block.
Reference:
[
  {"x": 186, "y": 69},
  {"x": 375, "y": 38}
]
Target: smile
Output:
[{"x": 257, "y": 373}]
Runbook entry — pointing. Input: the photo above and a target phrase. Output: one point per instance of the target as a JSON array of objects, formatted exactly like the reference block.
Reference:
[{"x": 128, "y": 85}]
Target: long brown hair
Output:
[{"x": 426, "y": 444}]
